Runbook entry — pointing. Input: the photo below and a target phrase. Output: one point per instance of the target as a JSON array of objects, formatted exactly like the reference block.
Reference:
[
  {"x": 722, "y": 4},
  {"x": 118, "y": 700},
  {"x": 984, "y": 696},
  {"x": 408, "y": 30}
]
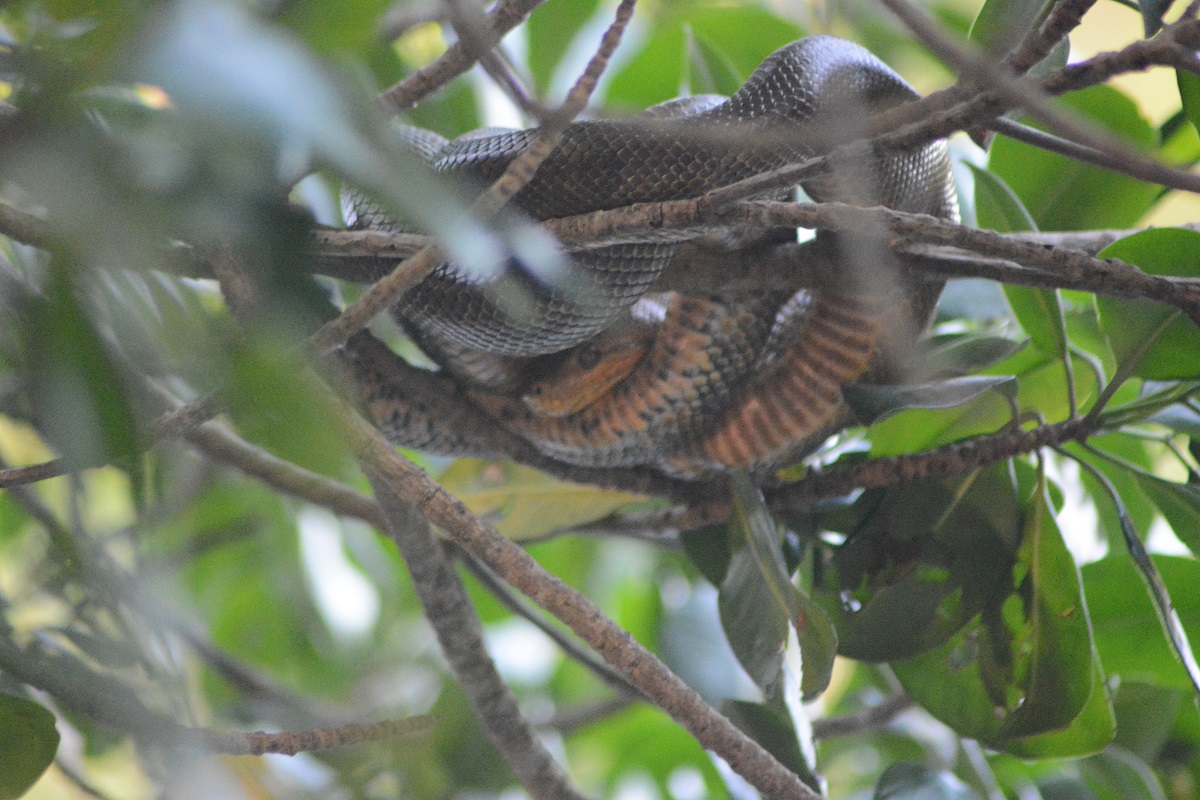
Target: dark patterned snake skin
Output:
[{"x": 714, "y": 382}]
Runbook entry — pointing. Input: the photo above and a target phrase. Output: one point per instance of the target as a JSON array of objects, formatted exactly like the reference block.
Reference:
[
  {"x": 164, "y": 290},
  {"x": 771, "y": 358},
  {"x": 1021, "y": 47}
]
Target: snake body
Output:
[{"x": 726, "y": 381}]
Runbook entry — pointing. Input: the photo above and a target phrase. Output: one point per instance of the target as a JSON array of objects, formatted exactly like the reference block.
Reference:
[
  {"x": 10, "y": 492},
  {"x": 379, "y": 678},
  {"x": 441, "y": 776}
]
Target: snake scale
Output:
[{"x": 598, "y": 369}]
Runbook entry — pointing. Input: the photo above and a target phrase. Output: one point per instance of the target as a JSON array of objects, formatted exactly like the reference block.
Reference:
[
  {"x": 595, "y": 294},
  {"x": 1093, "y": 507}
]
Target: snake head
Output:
[{"x": 589, "y": 371}]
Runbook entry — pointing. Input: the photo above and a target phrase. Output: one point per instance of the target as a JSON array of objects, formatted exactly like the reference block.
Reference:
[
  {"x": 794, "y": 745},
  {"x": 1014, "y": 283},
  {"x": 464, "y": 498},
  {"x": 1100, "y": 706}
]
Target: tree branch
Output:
[
  {"x": 1102, "y": 276},
  {"x": 614, "y": 644},
  {"x": 442, "y": 595},
  {"x": 449, "y": 611},
  {"x": 941, "y": 462},
  {"x": 523, "y": 609}
]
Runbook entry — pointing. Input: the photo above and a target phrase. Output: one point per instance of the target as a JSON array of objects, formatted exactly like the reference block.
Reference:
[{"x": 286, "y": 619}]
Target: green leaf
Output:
[
  {"x": 708, "y": 549},
  {"x": 1178, "y": 502},
  {"x": 960, "y": 355},
  {"x": 28, "y": 743},
  {"x": 552, "y": 31},
  {"x": 709, "y": 71},
  {"x": 758, "y": 601},
  {"x": 1168, "y": 616},
  {"x": 921, "y": 562},
  {"x": 642, "y": 739},
  {"x": 1022, "y": 675},
  {"x": 1088, "y": 733},
  {"x": 1001, "y": 24},
  {"x": 1189, "y": 95},
  {"x": 742, "y": 36},
  {"x": 753, "y": 603},
  {"x": 1039, "y": 311},
  {"x": 273, "y": 404},
  {"x": 1146, "y": 717},
  {"x": 951, "y": 684},
  {"x": 873, "y": 403},
  {"x": 996, "y": 205},
  {"x": 1159, "y": 337},
  {"x": 334, "y": 28},
  {"x": 653, "y": 75},
  {"x": 911, "y": 781},
  {"x": 1128, "y": 637},
  {"x": 1060, "y": 636},
  {"x": 79, "y": 391},
  {"x": 1041, "y": 389},
  {"x": 1062, "y": 194},
  {"x": 1117, "y": 774},
  {"x": 1179, "y": 417}
]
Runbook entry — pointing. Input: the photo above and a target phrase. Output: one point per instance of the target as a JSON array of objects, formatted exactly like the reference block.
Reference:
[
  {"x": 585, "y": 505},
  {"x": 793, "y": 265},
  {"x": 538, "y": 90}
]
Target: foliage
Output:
[{"x": 221, "y": 601}]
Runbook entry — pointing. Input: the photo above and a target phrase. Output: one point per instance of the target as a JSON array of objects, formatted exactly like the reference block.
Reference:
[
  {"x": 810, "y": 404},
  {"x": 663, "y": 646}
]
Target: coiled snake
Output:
[{"x": 688, "y": 384}]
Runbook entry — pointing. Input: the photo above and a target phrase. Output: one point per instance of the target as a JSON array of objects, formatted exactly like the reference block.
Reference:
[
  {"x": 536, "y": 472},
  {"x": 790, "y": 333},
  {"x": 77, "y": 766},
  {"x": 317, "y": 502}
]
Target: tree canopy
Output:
[{"x": 983, "y": 588}]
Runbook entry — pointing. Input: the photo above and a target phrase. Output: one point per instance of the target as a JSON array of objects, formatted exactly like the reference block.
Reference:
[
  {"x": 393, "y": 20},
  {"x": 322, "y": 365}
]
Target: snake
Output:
[{"x": 594, "y": 366}]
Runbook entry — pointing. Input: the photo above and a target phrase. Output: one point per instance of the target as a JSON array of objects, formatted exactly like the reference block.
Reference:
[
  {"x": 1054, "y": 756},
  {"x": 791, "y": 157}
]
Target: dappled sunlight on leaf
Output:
[{"x": 526, "y": 504}]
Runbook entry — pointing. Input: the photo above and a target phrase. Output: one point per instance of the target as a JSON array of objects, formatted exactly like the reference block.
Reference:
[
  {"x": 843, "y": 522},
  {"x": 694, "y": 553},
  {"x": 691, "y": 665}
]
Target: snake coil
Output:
[{"x": 723, "y": 381}]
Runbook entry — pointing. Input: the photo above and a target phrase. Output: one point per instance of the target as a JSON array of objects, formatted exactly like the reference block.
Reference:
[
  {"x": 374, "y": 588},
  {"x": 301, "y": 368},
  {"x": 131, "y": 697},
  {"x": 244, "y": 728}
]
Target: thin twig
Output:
[
  {"x": 224, "y": 445},
  {"x": 1015, "y": 92},
  {"x": 1063, "y": 18},
  {"x": 867, "y": 720},
  {"x": 570, "y": 720},
  {"x": 19, "y": 476},
  {"x": 522, "y": 608},
  {"x": 473, "y": 30},
  {"x": 25, "y": 228},
  {"x": 455, "y": 61},
  {"x": 1064, "y": 147},
  {"x": 290, "y": 743}
]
